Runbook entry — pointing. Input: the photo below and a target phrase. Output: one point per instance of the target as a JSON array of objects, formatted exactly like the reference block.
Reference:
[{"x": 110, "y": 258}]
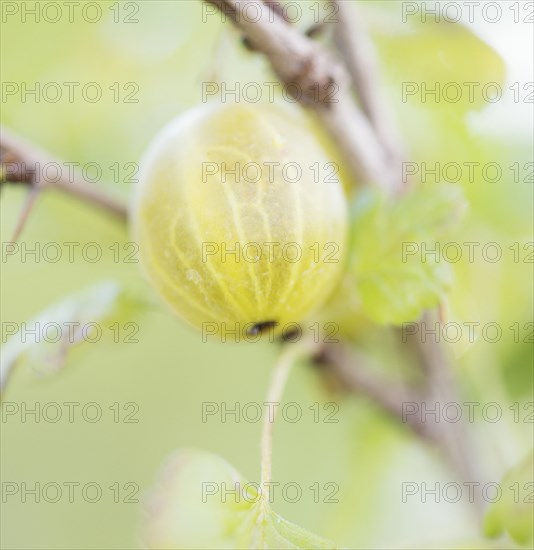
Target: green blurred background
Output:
[{"x": 170, "y": 372}]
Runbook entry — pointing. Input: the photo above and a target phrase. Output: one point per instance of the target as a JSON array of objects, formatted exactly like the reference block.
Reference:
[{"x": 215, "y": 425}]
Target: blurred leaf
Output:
[
  {"x": 391, "y": 280},
  {"x": 514, "y": 512},
  {"x": 65, "y": 325},
  {"x": 430, "y": 53},
  {"x": 436, "y": 76},
  {"x": 201, "y": 501}
]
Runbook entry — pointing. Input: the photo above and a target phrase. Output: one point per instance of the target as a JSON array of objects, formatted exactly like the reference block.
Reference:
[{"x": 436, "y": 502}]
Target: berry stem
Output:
[{"x": 288, "y": 357}]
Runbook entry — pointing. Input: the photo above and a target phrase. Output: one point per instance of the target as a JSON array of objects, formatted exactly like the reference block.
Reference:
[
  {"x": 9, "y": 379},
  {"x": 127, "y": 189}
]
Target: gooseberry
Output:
[{"x": 240, "y": 217}]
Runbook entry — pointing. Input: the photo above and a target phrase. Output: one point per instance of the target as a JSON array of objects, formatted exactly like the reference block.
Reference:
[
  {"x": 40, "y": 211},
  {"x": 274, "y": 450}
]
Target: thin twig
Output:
[{"x": 23, "y": 162}]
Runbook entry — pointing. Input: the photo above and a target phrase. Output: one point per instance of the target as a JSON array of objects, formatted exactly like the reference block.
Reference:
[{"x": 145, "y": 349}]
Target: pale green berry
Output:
[{"x": 224, "y": 178}]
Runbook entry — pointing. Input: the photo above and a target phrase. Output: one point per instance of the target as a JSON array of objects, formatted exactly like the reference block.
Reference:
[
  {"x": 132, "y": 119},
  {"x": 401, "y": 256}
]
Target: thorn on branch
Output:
[
  {"x": 315, "y": 31},
  {"x": 24, "y": 215}
]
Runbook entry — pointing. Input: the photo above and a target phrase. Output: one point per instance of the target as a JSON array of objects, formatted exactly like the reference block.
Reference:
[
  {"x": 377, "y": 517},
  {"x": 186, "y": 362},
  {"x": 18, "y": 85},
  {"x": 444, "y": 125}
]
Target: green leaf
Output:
[
  {"x": 444, "y": 57},
  {"x": 66, "y": 325},
  {"x": 514, "y": 512},
  {"x": 201, "y": 501},
  {"x": 438, "y": 76},
  {"x": 389, "y": 279}
]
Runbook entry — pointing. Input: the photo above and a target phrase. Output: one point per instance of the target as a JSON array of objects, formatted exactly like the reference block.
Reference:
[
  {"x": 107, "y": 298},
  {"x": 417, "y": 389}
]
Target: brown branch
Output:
[
  {"x": 22, "y": 163},
  {"x": 441, "y": 388},
  {"x": 323, "y": 85},
  {"x": 355, "y": 374}
]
